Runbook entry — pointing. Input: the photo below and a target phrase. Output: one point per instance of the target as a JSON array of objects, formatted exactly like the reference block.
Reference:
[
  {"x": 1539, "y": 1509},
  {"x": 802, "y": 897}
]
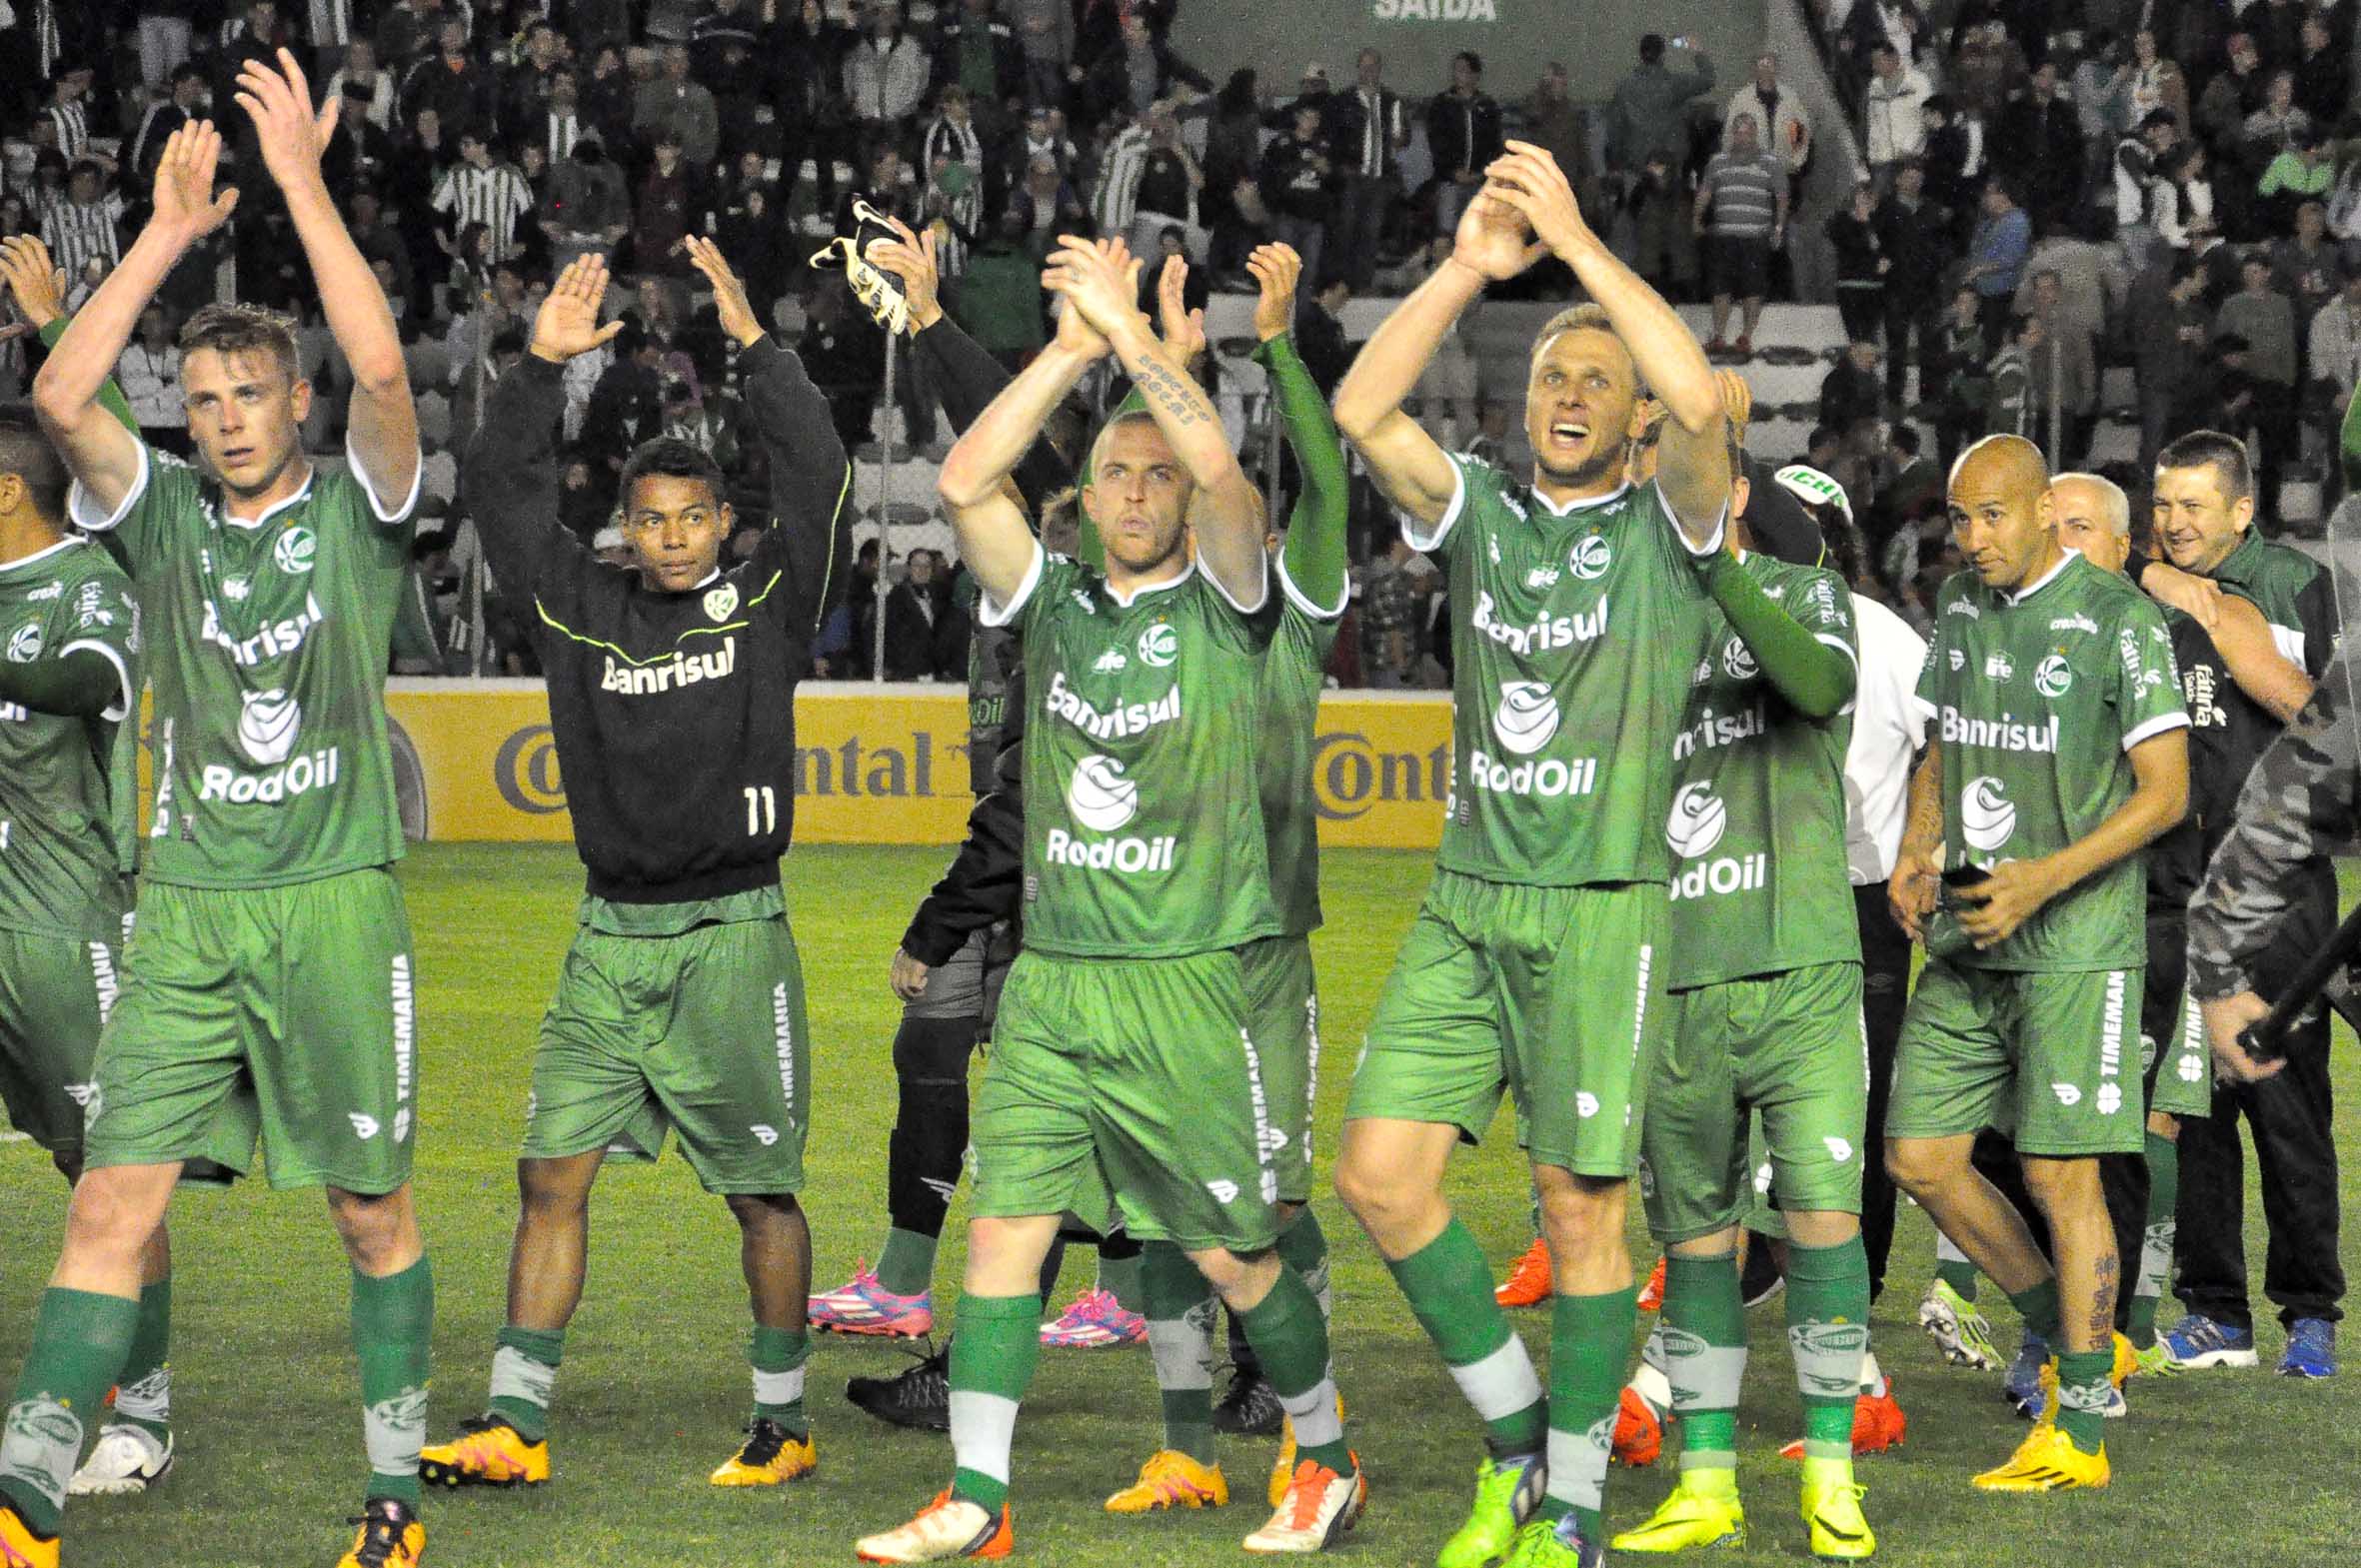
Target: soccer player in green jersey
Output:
[
  {"x": 2059, "y": 752},
  {"x": 1126, "y": 1075},
  {"x": 1283, "y": 998},
  {"x": 1536, "y": 963},
  {"x": 1765, "y": 976},
  {"x": 269, "y": 989}
]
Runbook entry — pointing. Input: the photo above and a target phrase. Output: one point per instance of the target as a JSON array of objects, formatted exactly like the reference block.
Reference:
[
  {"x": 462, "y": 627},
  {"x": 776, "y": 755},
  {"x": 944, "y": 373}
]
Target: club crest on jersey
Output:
[
  {"x": 1159, "y": 644},
  {"x": 720, "y": 601},
  {"x": 1527, "y": 718},
  {"x": 24, "y": 644},
  {"x": 2051, "y": 678},
  {"x": 1958, "y": 659},
  {"x": 1737, "y": 660},
  {"x": 1987, "y": 817},
  {"x": 1100, "y": 796},
  {"x": 294, "y": 548},
  {"x": 267, "y": 725},
  {"x": 1591, "y": 558}
]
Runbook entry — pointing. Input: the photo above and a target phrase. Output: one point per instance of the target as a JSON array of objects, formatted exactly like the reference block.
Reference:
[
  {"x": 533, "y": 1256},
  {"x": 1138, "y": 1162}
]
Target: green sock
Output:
[
  {"x": 1959, "y": 1274},
  {"x": 79, "y": 1340},
  {"x": 143, "y": 1396},
  {"x": 907, "y": 1265},
  {"x": 1589, "y": 1345},
  {"x": 1449, "y": 1288},
  {"x": 1119, "y": 1278},
  {"x": 993, "y": 1352},
  {"x": 1705, "y": 1327},
  {"x": 2082, "y": 1396},
  {"x": 1293, "y": 1341},
  {"x": 1304, "y": 1248},
  {"x": 524, "y": 1372},
  {"x": 393, "y": 1328},
  {"x": 1829, "y": 1333},
  {"x": 1180, "y": 1344},
  {"x": 778, "y": 1356},
  {"x": 2038, "y": 1306},
  {"x": 2164, "y": 1191}
]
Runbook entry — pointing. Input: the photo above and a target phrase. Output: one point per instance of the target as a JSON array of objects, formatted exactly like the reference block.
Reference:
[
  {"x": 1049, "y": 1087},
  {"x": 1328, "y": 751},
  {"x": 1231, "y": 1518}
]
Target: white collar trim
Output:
[
  {"x": 2066, "y": 557},
  {"x": 1144, "y": 589},
  {"x": 311, "y": 477}
]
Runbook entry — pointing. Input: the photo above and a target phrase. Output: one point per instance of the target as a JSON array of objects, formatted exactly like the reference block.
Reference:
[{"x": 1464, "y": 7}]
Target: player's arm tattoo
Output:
[{"x": 1177, "y": 397}]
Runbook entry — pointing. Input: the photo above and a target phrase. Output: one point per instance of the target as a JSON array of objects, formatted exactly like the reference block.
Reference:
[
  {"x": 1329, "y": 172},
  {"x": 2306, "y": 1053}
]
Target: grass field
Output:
[{"x": 2233, "y": 1467}]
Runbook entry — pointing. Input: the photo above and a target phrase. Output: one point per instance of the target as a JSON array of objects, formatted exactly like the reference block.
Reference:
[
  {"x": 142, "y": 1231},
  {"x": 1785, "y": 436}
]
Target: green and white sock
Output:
[
  {"x": 393, "y": 1331},
  {"x": 1293, "y": 1341},
  {"x": 1590, "y": 1340},
  {"x": 2164, "y": 1191},
  {"x": 523, "y": 1376},
  {"x": 1828, "y": 1334},
  {"x": 79, "y": 1341},
  {"x": 1954, "y": 1269},
  {"x": 1181, "y": 1315},
  {"x": 1449, "y": 1288},
  {"x": 905, "y": 1264},
  {"x": 2038, "y": 1306},
  {"x": 2082, "y": 1396},
  {"x": 993, "y": 1352},
  {"x": 143, "y": 1397},
  {"x": 777, "y": 1356},
  {"x": 1703, "y": 1325}
]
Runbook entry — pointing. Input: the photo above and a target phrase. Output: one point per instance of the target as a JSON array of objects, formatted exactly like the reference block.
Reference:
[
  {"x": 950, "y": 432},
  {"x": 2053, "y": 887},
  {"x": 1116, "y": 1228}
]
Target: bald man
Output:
[{"x": 2058, "y": 749}]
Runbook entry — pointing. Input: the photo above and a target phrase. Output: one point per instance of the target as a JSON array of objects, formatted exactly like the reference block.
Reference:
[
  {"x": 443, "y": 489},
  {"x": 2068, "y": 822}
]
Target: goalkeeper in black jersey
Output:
[{"x": 681, "y": 1005}]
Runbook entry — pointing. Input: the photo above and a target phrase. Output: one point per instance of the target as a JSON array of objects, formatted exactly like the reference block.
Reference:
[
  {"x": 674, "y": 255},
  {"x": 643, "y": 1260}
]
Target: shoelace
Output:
[
  {"x": 1307, "y": 1492},
  {"x": 763, "y": 1440},
  {"x": 381, "y": 1536}
]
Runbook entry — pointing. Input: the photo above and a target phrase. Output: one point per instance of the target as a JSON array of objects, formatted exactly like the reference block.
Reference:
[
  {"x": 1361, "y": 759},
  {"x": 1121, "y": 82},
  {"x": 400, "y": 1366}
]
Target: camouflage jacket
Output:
[{"x": 2299, "y": 804}]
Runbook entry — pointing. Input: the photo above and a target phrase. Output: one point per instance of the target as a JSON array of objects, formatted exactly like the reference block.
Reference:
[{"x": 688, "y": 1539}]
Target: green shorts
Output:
[
  {"x": 1283, "y": 1020},
  {"x": 2049, "y": 1059},
  {"x": 1551, "y": 994},
  {"x": 1788, "y": 1046},
  {"x": 283, "y": 1015},
  {"x": 701, "y": 1034},
  {"x": 2177, "y": 1060},
  {"x": 55, "y": 993},
  {"x": 1128, "y": 1086}
]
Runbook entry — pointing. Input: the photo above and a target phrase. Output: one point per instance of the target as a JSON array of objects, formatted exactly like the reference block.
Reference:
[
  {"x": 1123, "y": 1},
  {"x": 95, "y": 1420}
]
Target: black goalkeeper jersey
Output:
[{"x": 673, "y": 714}]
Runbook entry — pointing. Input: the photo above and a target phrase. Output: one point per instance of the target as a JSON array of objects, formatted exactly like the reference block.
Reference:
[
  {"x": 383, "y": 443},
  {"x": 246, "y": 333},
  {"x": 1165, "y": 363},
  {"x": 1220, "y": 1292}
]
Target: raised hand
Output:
[
  {"x": 1737, "y": 399},
  {"x": 292, "y": 133},
  {"x": 1493, "y": 239},
  {"x": 1529, "y": 179},
  {"x": 36, "y": 284},
  {"x": 569, "y": 320},
  {"x": 185, "y": 205},
  {"x": 1183, "y": 329},
  {"x": 1276, "y": 269},
  {"x": 1099, "y": 278},
  {"x": 730, "y": 298},
  {"x": 911, "y": 259}
]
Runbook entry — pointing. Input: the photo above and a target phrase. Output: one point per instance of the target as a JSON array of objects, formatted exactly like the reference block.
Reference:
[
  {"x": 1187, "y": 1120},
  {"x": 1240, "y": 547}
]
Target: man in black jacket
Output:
[{"x": 681, "y": 1005}]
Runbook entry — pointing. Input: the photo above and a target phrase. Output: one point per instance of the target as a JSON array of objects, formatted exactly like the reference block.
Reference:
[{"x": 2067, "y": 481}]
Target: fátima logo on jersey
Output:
[
  {"x": 1987, "y": 818},
  {"x": 1694, "y": 831},
  {"x": 1525, "y": 721},
  {"x": 270, "y": 725},
  {"x": 1101, "y": 799}
]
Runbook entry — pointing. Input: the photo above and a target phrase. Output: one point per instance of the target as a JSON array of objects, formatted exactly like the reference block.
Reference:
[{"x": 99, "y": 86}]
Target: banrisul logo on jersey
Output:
[
  {"x": 270, "y": 727},
  {"x": 1694, "y": 831},
  {"x": 1099, "y": 798},
  {"x": 1525, "y": 722}
]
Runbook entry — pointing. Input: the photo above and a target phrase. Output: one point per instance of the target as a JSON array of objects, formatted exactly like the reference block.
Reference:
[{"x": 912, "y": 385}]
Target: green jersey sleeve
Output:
[
  {"x": 2144, "y": 681},
  {"x": 167, "y": 489},
  {"x": 1049, "y": 577}
]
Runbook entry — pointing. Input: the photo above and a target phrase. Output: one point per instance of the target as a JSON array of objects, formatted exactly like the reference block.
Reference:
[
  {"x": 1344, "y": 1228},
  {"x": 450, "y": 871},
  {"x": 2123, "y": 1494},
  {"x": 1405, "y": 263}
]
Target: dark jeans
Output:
[
  {"x": 1361, "y": 227},
  {"x": 1909, "y": 327},
  {"x": 1886, "y": 992}
]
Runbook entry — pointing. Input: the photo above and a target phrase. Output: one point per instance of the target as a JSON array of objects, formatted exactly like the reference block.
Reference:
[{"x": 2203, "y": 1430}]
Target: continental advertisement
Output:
[{"x": 474, "y": 760}]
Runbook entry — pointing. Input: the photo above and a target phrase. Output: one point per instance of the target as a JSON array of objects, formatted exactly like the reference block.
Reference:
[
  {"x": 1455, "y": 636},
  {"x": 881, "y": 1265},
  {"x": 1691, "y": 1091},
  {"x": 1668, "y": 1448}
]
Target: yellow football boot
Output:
[
  {"x": 487, "y": 1453},
  {"x": 770, "y": 1458},
  {"x": 2047, "y": 1461},
  {"x": 20, "y": 1547},
  {"x": 1172, "y": 1479},
  {"x": 1689, "y": 1518},
  {"x": 1832, "y": 1511},
  {"x": 391, "y": 1537}
]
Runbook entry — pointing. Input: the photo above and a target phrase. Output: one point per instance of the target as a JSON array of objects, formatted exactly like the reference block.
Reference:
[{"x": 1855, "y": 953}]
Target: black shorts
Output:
[{"x": 1740, "y": 264}]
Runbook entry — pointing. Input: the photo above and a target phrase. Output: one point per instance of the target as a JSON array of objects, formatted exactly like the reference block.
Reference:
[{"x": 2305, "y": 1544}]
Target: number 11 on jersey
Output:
[{"x": 761, "y": 811}]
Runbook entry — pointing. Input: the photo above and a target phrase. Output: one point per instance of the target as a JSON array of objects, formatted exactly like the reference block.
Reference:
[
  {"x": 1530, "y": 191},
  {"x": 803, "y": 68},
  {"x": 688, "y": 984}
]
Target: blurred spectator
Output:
[
  {"x": 926, "y": 633},
  {"x": 1651, "y": 104},
  {"x": 1997, "y": 257},
  {"x": 149, "y": 373},
  {"x": 978, "y": 52},
  {"x": 2264, "y": 319},
  {"x": 2184, "y": 201},
  {"x": 1786, "y": 127},
  {"x": 1448, "y": 387},
  {"x": 167, "y": 113},
  {"x": 2235, "y": 92},
  {"x": 586, "y": 207},
  {"x": 2300, "y": 176},
  {"x": 1137, "y": 72},
  {"x": 1662, "y": 226},
  {"x": 1464, "y": 137},
  {"x": 2066, "y": 372},
  {"x": 1389, "y": 623},
  {"x": 1743, "y": 197},
  {"x": 1895, "y": 114},
  {"x": 2008, "y": 381},
  {"x": 2138, "y": 173},
  {"x": 1044, "y": 30},
  {"x": 449, "y": 81},
  {"x": 1953, "y": 376},
  {"x": 85, "y": 227},
  {"x": 2323, "y": 71},
  {"x": 999, "y": 301},
  {"x": 885, "y": 73},
  {"x": 1294, "y": 184},
  {"x": 662, "y": 212},
  {"x": 1320, "y": 334},
  {"x": 1369, "y": 129},
  {"x": 2155, "y": 82},
  {"x": 2039, "y": 136},
  {"x": 1852, "y": 396},
  {"x": 1862, "y": 264},
  {"x": 1912, "y": 234},
  {"x": 673, "y": 105},
  {"x": 479, "y": 190},
  {"x": 1147, "y": 183},
  {"x": 2333, "y": 358}
]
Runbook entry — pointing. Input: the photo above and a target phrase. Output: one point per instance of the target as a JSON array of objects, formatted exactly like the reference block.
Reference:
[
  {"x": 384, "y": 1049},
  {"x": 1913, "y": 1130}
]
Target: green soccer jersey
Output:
[
  {"x": 1143, "y": 832},
  {"x": 1292, "y": 678},
  {"x": 1757, "y": 819},
  {"x": 2037, "y": 698},
  {"x": 67, "y": 783},
  {"x": 1574, "y": 631},
  {"x": 266, "y": 650}
]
